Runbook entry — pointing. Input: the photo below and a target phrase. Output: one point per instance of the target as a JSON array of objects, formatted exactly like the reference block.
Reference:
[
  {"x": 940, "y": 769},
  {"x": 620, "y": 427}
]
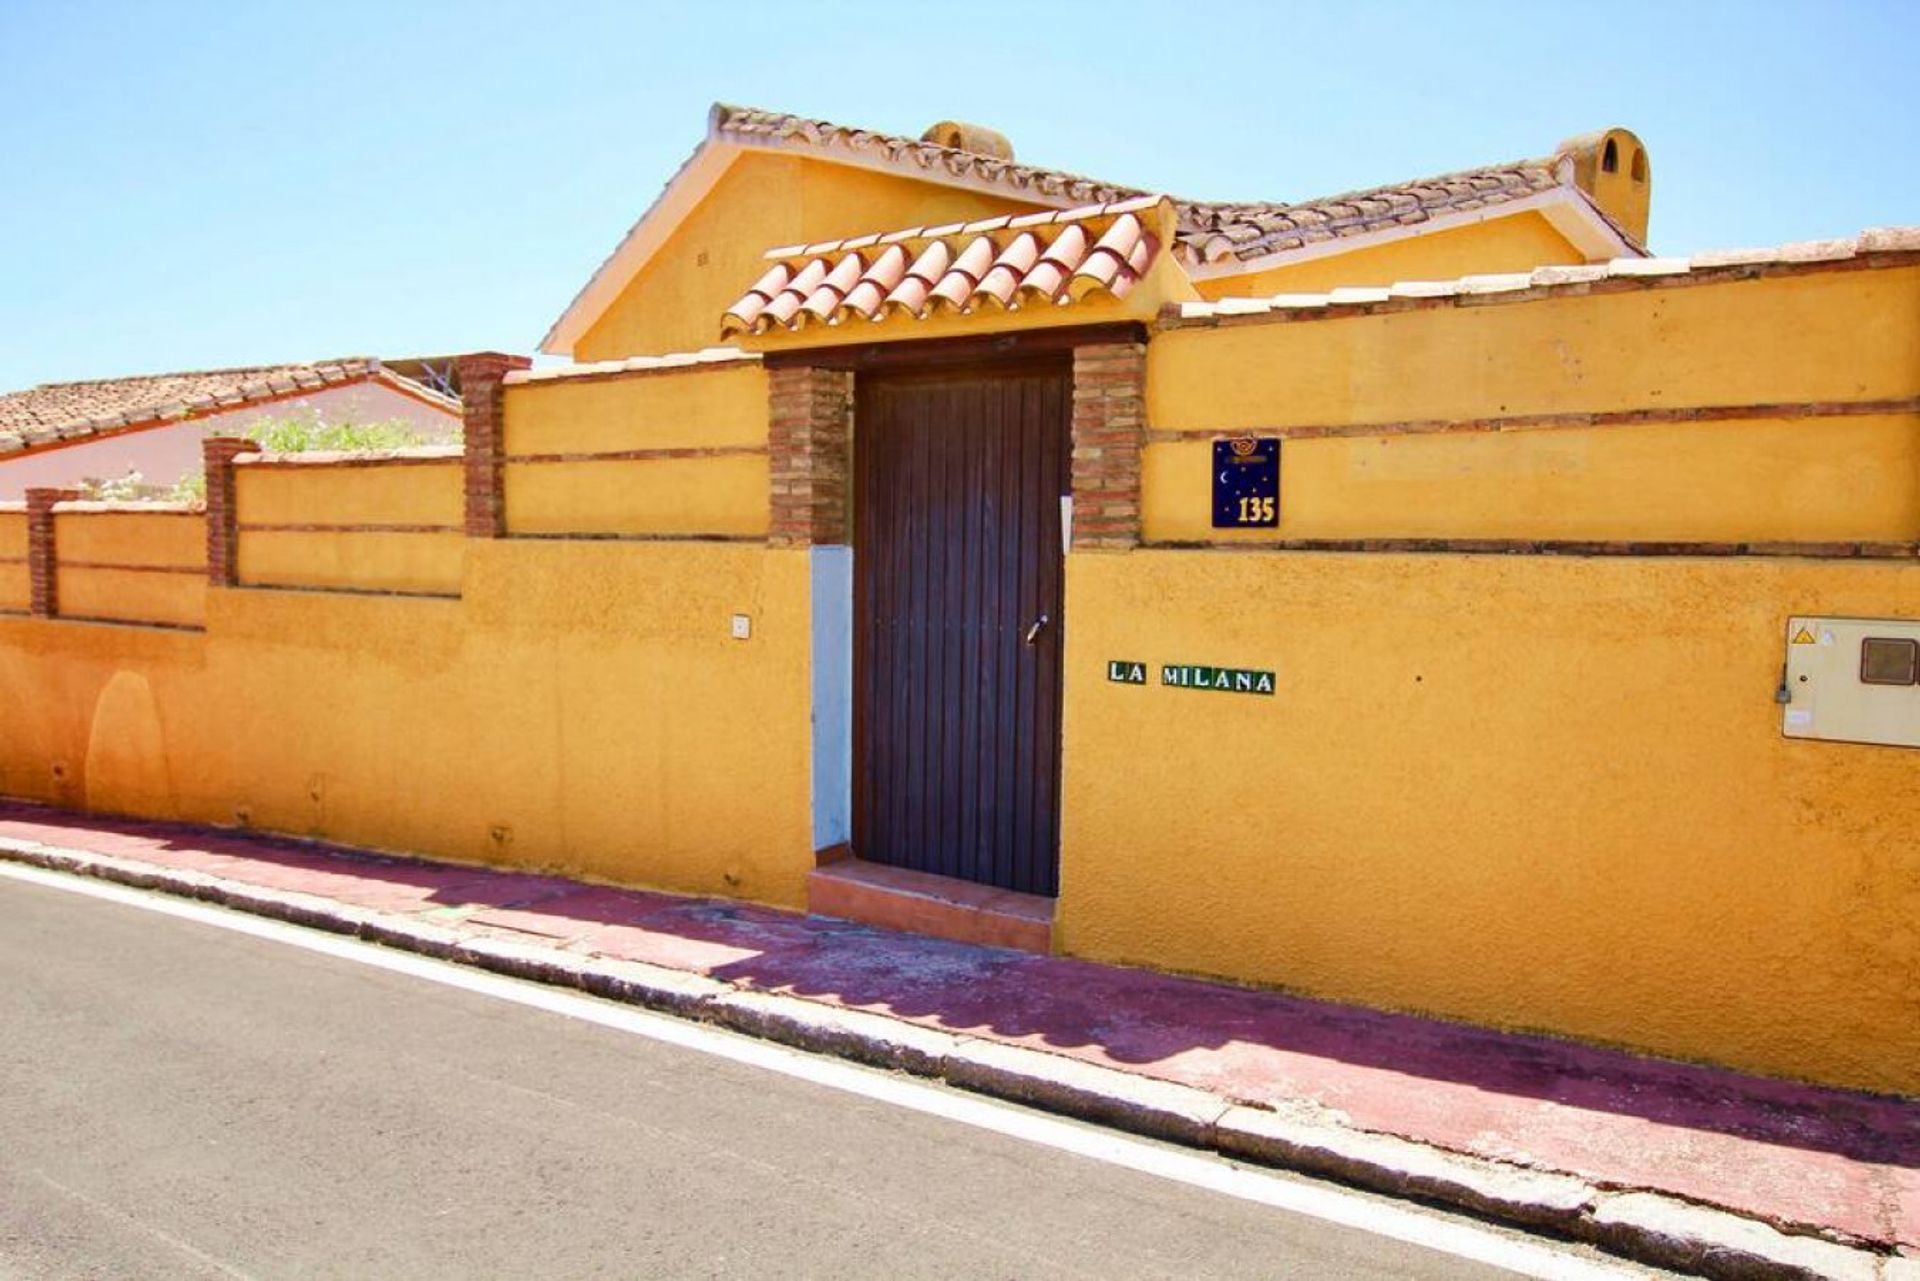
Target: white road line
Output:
[
  {"x": 106, "y": 1211},
  {"x": 1320, "y": 1201}
]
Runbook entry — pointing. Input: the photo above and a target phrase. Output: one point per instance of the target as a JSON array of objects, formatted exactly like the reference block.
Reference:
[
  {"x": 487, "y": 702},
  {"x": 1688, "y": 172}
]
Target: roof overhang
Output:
[{"x": 683, "y": 193}]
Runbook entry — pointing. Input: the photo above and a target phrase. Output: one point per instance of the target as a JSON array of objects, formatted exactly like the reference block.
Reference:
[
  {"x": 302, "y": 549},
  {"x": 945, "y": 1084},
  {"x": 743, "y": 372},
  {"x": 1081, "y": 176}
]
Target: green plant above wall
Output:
[
  {"x": 307, "y": 435},
  {"x": 133, "y": 488},
  {"x": 292, "y": 435}
]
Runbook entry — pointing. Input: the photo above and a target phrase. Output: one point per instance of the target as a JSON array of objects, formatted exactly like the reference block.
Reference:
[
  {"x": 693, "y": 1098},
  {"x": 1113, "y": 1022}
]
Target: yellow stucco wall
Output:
[
  {"x": 1517, "y": 242},
  {"x": 762, "y": 202},
  {"x": 1825, "y": 339},
  {"x": 15, "y": 583},
  {"x": 1826, "y": 336},
  {"x": 353, "y": 561},
  {"x": 713, "y": 483},
  {"x": 322, "y": 494},
  {"x": 583, "y": 708},
  {"x": 13, "y": 532},
  {"x": 127, "y": 596},
  {"x": 378, "y": 528},
  {"x": 1544, "y": 792},
  {"x": 702, "y": 406},
  {"x": 131, "y": 566},
  {"x": 1534, "y": 792},
  {"x": 722, "y": 496},
  {"x": 1741, "y": 480},
  {"x": 131, "y": 538}
]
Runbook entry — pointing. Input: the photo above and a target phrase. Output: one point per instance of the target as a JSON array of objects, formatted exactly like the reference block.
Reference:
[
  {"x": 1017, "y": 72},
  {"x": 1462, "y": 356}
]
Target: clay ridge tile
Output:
[{"x": 1214, "y": 231}]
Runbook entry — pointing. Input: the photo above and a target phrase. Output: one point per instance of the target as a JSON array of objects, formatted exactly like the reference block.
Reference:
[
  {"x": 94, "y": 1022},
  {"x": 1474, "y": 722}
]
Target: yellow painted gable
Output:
[
  {"x": 1517, "y": 242},
  {"x": 763, "y": 201}
]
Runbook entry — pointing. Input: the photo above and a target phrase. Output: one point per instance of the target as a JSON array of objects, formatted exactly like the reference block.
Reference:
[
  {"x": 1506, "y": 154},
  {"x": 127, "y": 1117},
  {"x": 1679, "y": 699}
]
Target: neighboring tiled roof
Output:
[
  {"x": 1544, "y": 280},
  {"x": 67, "y": 411},
  {"x": 1005, "y": 262},
  {"x": 1209, "y": 231}
]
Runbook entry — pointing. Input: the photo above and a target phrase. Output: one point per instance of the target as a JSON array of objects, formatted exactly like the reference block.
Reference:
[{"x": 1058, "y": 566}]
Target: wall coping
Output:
[
  {"x": 97, "y": 506},
  {"x": 1877, "y": 247},
  {"x": 707, "y": 358},
  {"x": 1814, "y": 549},
  {"x": 353, "y": 458}
]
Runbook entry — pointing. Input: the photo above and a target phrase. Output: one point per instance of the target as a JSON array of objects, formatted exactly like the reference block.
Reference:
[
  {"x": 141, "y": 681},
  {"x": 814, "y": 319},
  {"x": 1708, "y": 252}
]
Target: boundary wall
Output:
[{"x": 1525, "y": 608}]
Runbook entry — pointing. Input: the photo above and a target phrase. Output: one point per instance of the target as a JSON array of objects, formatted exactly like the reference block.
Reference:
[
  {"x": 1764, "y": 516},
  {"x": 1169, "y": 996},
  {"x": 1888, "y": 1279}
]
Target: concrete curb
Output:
[
  {"x": 1384, "y": 1163},
  {"x": 1157, "y": 1109},
  {"x": 1644, "y": 1226}
]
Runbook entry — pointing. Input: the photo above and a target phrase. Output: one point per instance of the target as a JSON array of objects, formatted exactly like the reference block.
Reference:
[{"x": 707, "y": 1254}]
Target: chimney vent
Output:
[{"x": 961, "y": 136}]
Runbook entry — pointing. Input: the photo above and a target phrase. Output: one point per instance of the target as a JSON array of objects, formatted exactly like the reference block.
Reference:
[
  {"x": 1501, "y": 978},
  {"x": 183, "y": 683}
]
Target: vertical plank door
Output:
[{"x": 957, "y": 600}]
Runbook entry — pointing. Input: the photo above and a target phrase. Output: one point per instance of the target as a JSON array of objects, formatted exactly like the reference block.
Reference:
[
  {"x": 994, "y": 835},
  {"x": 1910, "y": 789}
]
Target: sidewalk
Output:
[{"x": 1684, "y": 1166}]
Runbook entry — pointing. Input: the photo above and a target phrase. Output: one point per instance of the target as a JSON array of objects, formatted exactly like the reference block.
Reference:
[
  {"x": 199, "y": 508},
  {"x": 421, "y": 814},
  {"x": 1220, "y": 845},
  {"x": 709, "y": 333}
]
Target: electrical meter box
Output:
[{"x": 1853, "y": 680}]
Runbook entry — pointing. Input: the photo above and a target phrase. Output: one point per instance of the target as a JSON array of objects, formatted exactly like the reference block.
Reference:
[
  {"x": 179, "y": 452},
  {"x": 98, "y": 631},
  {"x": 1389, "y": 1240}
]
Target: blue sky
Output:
[{"x": 190, "y": 186}]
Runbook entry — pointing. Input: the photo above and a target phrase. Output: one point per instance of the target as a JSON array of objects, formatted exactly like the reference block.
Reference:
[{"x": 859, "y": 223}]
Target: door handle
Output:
[{"x": 1033, "y": 633}]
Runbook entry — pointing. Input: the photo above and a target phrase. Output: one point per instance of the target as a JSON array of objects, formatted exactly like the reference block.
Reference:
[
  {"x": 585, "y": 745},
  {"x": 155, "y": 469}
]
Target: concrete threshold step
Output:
[{"x": 898, "y": 898}]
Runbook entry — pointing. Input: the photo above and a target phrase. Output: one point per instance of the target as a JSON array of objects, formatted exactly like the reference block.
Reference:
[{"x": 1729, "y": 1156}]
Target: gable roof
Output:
[
  {"x": 1212, "y": 237},
  {"x": 1209, "y": 230},
  {"x": 55, "y": 413}
]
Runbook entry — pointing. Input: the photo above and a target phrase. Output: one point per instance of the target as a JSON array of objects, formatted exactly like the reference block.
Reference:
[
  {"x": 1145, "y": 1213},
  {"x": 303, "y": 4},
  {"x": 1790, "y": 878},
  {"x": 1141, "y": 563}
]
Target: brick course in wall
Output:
[
  {"x": 808, "y": 427},
  {"x": 223, "y": 534},
  {"x": 1109, "y": 425},
  {"x": 483, "y": 397},
  {"x": 42, "y": 569}
]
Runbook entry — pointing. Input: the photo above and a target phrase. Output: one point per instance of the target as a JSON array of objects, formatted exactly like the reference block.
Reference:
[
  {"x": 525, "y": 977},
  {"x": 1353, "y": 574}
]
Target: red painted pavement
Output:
[{"x": 1779, "y": 1150}]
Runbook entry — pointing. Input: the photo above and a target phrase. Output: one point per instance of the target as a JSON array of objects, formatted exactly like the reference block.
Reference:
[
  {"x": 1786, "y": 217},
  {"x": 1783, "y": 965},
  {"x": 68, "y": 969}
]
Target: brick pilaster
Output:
[
  {"x": 43, "y": 570},
  {"x": 1109, "y": 426},
  {"x": 484, "y": 401},
  {"x": 808, "y": 420},
  {"x": 223, "y": 531}
]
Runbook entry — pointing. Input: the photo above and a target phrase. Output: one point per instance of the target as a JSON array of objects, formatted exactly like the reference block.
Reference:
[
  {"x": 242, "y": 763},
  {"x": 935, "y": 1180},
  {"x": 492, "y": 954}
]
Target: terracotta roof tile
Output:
[
  {"x": 1218, "y": 234},
  {"x": 1054, "y": 259},
  {"x": 870, "y": 294},
  {"x": 911, "y": 293},
  {"x": 1209, "y": 231},
  {"x": 70, "y": 411}
]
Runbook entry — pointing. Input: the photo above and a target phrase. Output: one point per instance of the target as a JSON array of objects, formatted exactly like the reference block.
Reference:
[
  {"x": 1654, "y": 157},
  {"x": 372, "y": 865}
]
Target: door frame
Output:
[
  {"x": 832, "y": 540},
  {"x": 1051, "y": 363}
]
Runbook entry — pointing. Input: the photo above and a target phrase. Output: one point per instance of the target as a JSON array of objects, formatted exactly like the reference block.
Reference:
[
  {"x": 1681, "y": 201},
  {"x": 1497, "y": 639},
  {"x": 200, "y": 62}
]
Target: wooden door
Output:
[{"x": 957, "y": 603}]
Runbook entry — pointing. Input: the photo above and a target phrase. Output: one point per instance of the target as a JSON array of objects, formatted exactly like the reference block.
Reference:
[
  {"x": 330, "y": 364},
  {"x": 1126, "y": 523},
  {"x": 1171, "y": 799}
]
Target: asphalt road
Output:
[{"x": 179, "y": 1100}]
